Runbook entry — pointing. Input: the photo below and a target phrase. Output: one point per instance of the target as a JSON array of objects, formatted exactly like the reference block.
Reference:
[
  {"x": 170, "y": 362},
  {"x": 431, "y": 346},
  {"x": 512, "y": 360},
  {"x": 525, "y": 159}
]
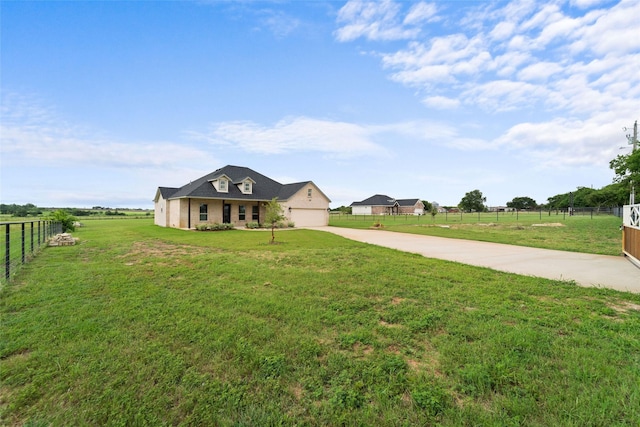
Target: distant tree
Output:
[
  {"x": 343, "y": 209},
  {"x": 627, "y": 170},
  {"x": 427, "y": 206},
  {"x": 21, "y": 210},
  {"x": 273, "y": 216},
  {"x": 473, "y": 201},
  {"x": 612, "y": 195},
  {"x": 522, "y": 203},
  {"x": 581, "y": 198}
]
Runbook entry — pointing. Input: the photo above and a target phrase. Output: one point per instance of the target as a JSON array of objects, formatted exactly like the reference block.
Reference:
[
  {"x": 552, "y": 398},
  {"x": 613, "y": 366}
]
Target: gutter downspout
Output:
[{"x": 189, "y": 215}]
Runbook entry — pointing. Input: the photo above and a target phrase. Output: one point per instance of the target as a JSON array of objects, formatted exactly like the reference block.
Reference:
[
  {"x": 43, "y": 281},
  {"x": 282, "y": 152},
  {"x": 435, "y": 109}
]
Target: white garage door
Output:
[{"x": 309, "y": 217}]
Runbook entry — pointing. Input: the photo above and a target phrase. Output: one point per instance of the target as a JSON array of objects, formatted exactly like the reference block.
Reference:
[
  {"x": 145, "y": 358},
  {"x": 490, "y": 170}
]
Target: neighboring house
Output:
[
  {"x": 238, "y": 195},
  {"x": 385, "y": 205}
]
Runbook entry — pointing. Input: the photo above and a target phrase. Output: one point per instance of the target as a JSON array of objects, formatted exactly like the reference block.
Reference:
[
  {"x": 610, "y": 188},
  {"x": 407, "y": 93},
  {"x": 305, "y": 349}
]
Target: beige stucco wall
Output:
[
  {"x": 307, "y": 211},
  {"x": 160, "y": 214},
  {"x": 215, "y": 211},
  {"x": 177, "y": 213},
  {"x": 361, "y": 210}
]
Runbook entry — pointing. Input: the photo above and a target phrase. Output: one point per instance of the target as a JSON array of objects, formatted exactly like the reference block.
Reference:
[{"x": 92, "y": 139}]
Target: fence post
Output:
[
  {"x": 39, "y": 237},
  {"x": 22, "y": 238},
  {"x": 32, "y": 237},
  {"x": 7, "y": 252}
]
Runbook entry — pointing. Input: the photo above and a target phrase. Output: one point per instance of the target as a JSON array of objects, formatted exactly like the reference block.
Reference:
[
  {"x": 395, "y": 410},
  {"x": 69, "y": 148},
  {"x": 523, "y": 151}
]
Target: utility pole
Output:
[{"x": 634, "y": 142}]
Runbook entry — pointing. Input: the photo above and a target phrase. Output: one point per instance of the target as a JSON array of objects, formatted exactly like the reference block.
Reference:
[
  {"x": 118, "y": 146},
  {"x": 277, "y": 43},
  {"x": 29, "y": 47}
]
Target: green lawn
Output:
[
  {"x": 142, "y": 325},
  {"x": 598, "y": 234}
]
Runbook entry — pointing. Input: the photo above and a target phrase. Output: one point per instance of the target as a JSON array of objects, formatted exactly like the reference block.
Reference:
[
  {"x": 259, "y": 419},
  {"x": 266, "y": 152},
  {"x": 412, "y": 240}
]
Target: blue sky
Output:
[{"x": 102, "y": 102}]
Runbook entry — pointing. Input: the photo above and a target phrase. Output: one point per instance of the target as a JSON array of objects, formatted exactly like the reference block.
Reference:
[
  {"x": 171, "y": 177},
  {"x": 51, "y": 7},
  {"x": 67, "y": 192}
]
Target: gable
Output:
[{"x": 290, "y": 190}]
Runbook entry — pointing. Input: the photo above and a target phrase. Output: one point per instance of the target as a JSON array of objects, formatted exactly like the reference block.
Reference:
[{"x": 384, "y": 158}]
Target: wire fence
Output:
[
  {"x": 22, "y": 240},
  {"x": 490, "y": 216}
]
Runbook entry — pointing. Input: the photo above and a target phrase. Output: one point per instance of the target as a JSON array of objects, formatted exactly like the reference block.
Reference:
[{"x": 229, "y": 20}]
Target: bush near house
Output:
[{"x": 214, "y": 227}]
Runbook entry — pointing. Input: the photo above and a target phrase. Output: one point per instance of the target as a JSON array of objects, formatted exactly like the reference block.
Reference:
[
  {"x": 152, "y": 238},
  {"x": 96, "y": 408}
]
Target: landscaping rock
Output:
[{"x": 63, "y": 239}]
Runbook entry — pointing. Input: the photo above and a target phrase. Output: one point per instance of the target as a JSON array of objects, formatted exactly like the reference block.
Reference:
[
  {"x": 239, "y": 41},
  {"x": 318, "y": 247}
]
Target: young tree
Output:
[
  {"x": 473, "y": 201},
  {"x": 434, "y": 212},
  {"x": 273, "y": 216}
]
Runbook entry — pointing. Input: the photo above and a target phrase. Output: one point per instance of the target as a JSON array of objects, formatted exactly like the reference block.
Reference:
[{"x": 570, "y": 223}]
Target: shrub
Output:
[
  {"x": 214, "y": 227},
  {"x": 252, "y": 225},
  {"x": 65, "y": 219},
  {"x": 291, "y": 224}
]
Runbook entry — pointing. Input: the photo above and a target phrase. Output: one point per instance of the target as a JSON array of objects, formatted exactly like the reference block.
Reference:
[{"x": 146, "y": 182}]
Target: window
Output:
[
  {"x": 255, "y": 216},
  {"x": 247, "y": 187},
  {"x": 309, "y": 193},
  {"x": 203, "y": 212},
  {"x": 223, "y": 185},
  {"x": 241, "y": 212}
]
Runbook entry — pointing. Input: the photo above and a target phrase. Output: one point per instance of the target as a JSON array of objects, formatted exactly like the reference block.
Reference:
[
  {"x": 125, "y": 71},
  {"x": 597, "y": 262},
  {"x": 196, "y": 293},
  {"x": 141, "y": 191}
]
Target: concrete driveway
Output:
[{"x": 615, "y": 272}]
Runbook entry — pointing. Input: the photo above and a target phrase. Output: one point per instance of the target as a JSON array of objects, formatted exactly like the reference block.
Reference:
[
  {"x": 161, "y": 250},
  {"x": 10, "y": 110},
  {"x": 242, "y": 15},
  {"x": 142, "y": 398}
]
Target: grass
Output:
[
  {"x": 599, "y": 234},
  {"x": 142, "y": 325}
]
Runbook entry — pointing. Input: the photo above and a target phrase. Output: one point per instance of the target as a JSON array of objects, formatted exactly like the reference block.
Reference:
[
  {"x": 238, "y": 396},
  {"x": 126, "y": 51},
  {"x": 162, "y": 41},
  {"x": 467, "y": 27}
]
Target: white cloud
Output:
[
  {"x": 421, "y": 12},
  {"x": 540, "y": 71},
  {"x": 279, "y": 23},
  {"x": 614, "y": 31},
  {"x": 504, "y": 95},
  {"x": 373, "y": 20},
  {"x": 294, "y": 135},
  {"x": 32, "y": 132},
  {"x": 564, "y": 142},
  {"x": 441, "y": 102}
]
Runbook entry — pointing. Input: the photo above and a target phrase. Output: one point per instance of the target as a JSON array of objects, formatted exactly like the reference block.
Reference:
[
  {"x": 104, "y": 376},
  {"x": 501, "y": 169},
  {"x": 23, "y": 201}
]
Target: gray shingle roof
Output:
[
  {"x": 377, "y": 200},
  {"x": 384, "y": 200},
  {"x": 166, "y": 192},
  {"x": 407, "y": 202},
  {"x": 264, "y": 188}
]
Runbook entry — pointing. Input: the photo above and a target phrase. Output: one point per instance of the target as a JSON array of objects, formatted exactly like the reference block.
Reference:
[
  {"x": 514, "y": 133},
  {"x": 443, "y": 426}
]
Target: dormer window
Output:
[
  {"x": 221, "y": 184},
  {"x": 245, "y": 185}
]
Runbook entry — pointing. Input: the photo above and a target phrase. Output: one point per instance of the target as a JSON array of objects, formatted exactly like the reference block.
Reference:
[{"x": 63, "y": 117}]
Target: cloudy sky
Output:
[{"x": 102, "y": 102}]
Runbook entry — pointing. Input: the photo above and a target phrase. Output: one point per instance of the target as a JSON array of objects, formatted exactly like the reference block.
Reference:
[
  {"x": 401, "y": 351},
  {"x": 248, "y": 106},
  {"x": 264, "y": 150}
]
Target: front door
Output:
[{"x": 226, "y": 214}]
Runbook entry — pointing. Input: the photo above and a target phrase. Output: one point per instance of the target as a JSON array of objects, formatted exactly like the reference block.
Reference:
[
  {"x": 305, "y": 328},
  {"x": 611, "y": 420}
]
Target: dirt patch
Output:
[
  {"x": 365, "y": 349},
  {"x": 397, "y": 300},
  {"x": 624, "y": 306},
  {"x": 159, "y": 249},
  {"x": 548, "y": 224},
  {"x": 389, "y": 325},
  {"x": 297, "y": 391}
]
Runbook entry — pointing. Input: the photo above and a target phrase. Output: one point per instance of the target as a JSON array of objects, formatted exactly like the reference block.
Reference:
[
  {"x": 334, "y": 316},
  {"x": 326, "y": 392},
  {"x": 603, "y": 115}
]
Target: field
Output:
[
  {"x": 598, "y": 234},
  {"x": 142, "y": 325}
]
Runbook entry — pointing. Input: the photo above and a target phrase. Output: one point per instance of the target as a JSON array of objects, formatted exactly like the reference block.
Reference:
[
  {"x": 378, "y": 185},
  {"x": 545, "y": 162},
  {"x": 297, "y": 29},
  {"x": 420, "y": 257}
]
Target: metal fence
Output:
[
  {"x": 22, "y": 240},
  {"x": 496, "y": 215}
]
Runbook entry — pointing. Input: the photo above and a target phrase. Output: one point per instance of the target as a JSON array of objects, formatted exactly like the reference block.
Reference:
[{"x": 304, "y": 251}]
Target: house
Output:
[
  {"x": 238, "y": 195},
  {"x": 381, "y": 204}
]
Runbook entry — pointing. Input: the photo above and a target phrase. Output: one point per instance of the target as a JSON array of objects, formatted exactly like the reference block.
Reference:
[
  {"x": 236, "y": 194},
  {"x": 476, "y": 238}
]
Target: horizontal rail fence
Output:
[
  {"x": 22, "y": 240},
  {"x": 484, "y": 216}
]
